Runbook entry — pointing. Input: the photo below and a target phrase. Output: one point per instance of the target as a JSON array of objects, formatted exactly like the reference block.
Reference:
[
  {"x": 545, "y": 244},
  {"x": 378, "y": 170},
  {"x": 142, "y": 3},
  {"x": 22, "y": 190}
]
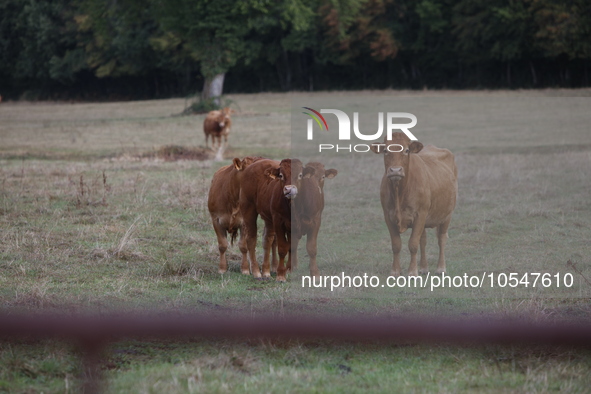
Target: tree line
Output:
[{"x": 130, "y": 49}]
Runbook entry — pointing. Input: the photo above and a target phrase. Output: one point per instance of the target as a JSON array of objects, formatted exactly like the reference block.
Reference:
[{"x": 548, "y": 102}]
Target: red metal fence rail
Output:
[{"x": 94, "y": 333}]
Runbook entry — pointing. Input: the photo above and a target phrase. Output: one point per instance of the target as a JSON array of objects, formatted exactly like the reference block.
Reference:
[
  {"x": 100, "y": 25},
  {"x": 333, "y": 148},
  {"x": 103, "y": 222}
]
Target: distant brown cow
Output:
[
  {"x": 223, "y": 207},
  {"x": 217, "y": 124},
  {"x": 308, "y": 213},
  {"x": 268, "y": 189},
  {"x": 418, "y": 191}
]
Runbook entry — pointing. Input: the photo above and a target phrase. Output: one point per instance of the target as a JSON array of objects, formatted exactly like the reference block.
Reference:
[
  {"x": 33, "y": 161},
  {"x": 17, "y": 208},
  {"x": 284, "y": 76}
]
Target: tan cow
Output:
[
  {"x": 307, "y": 213},
  {"x": 419, "y": 191},
  {"x": 218, "y": 125},
  {"x": 222, "y": 203},
  {"x": 269, "y": 188}
]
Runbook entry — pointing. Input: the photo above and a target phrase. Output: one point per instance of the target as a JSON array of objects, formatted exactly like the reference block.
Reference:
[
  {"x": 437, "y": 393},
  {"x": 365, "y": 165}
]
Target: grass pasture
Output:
[{"x": 92, "y": 221}]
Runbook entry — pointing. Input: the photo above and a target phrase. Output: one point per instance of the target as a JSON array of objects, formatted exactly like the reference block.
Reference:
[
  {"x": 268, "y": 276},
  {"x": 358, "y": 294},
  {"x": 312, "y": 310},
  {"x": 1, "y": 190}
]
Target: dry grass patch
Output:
[{"x": 177, "y": 152}]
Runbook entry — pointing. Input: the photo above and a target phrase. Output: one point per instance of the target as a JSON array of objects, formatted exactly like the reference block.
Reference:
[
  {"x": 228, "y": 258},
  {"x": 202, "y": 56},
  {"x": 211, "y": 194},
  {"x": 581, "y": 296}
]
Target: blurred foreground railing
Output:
[{"x": 93, "y": 334}]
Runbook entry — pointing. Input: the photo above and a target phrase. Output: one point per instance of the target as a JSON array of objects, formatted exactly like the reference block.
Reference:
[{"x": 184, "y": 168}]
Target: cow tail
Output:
[{"x": 233, "y": 234}]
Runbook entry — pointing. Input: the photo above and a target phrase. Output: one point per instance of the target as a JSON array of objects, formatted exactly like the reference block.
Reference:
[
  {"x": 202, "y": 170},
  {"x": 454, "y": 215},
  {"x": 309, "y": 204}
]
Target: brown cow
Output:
[
  {"x": 217, "y": 124},
  {"x": 308, "y": 213},
  {"x": 268, "y": 189},
  {"x": 418, "y": 191},
  {"x": 223, "y": 207}
]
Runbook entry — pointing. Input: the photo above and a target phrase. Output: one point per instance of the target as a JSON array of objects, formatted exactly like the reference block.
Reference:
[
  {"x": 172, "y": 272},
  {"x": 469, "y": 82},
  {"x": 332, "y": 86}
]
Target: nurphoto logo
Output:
[{"x": 344, "y": 129}]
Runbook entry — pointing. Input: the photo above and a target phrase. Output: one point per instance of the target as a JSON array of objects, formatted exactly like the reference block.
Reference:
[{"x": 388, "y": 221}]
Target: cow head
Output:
[
  {"x": 320, "y": 174},
  {"x": 397, "y": 153},
  {"x": 290, "y": 173},
  {"x": 224, "y": 117}
]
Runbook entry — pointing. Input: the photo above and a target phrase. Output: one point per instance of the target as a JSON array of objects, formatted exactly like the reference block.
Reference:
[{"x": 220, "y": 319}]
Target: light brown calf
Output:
[
  {"x": 308, "y": 213},
  {"x": 218, "y": 125}
]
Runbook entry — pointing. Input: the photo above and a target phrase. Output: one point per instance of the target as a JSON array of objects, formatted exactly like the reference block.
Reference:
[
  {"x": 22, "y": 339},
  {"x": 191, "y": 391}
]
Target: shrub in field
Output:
[{"x": 203, "y": 106}]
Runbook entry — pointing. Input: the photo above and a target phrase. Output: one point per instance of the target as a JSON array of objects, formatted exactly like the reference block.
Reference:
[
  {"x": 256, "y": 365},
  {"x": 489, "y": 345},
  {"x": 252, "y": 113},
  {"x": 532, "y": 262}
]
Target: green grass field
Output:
[{"x": 92, "y": 220}]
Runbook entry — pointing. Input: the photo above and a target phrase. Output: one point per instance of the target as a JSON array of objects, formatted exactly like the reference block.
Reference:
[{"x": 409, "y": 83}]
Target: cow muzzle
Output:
[
  {"x": 290, "y": 191},
  {"x": 222, "y": 124},
  {"x": 395, "y": 173}
]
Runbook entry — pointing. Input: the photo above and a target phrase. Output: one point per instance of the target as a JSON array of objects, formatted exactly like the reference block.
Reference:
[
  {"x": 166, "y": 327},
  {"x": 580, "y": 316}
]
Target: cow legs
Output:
[
  {"x": 292, "y": 262},
  {"x": 222, "y": 235},
  {"x": 283, "y": 246},
  {"x": 418, "y": 229},
  {"x": 424, "y": 268},
  {"x": 207, "y": 140},
  {"x": 396, "y": 248},
  {"x": 244, "y": 267},
  {"x": 294, "y": 251},
  {"x": 292, "y": 257},
  {"x": 312, "y": 249},
  {"x": 268, "y": 240},
  {"x": 442, "y": 240},
  {"x": 274, "y": 259},
  {"x": 288, "y": 264},
  {"x": 249, "y": 229}
]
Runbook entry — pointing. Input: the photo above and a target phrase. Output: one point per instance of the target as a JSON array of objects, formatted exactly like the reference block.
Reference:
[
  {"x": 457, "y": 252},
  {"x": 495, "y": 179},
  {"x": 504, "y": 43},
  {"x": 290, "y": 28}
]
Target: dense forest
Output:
[{"x": 131, "y": 49}]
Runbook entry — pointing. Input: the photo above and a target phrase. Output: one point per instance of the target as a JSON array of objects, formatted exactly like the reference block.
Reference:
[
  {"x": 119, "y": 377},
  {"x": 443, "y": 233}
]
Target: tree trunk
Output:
[
  {"x": 509, "y": 74},
  {"x": 284, "y": 78},
  {"x": 533, "y": 73},
  {"x": 280, "y": 76},
  {"x": 287, "y": 71},
  {"x": 213, "y": 88}
]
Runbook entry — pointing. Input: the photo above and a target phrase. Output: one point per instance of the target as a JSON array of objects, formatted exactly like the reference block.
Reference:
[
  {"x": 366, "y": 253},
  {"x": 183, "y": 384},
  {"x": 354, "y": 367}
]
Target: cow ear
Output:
[
  {"x": 415, "y": 147},
  {"x": 237, "y": 163},
  {"x": 272, "y": 172},
  {"x": 308, "y": 172},
  {"x": 375, "y": 147},
  {"x": 331, "y": 173}
]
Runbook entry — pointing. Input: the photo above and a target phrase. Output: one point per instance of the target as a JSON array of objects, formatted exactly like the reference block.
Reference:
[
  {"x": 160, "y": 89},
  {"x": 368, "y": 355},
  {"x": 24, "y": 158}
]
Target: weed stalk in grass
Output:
[
  {"x": 85, "y": 193},
  {"x": 126, "y": 240},
  {"x": 578, "y": 271}
]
